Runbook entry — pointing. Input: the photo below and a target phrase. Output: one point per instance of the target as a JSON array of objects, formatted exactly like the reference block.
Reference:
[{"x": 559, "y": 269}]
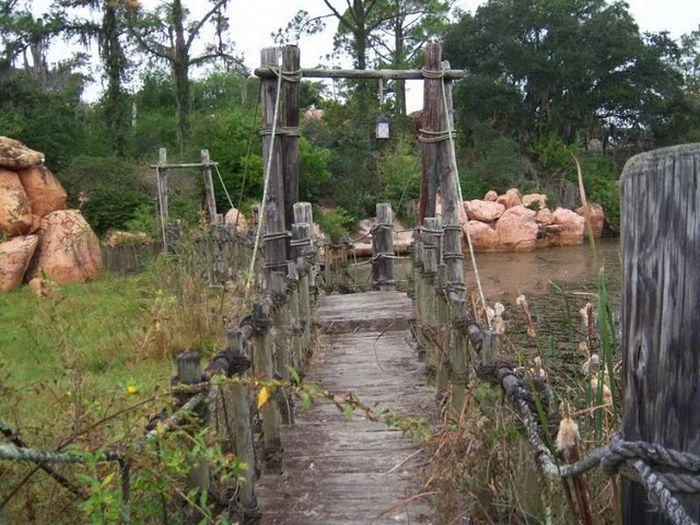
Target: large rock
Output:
[
  {"x": 484, "y": 237},
  {"x": 517, "y": 228},
  {"x": 233, "y": 216},
  {"x": 68, "y": 251},
  {"x": 43, "y": 190},
  {"x": 530, "y": 199},
  {"x": 571, "y": 226},
  {"x": 484, "y": 211},
  {"x": 15, "y": 212},
  {"x": 15, "y": 256},
  {"x": 593, "y": 213},
  {"x": 491, "y": 196},
  {"x": 545, "y": 216},
  {"x": 16, "y": 156},
  {"x": 510, "y": 198}
]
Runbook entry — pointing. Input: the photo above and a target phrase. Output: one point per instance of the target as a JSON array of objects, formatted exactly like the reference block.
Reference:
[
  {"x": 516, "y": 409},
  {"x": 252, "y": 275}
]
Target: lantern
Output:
[{"x": 382, "y": 127}]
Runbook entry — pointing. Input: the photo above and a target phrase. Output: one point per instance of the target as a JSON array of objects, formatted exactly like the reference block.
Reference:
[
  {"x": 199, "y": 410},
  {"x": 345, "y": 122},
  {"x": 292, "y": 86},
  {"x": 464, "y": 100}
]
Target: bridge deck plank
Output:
[{"x": 354, "y": 471}]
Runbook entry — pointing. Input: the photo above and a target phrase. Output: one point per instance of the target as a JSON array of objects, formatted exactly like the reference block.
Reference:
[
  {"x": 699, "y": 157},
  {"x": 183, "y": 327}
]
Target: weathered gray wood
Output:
[
  {"x": 366, "y": 74},
  {"x": 430, "y": 122},
  {"x": 458, "y": 354},
  {"x": 162, "y": 175},
  {"x": 189, "y": 372},
  {"x": 264, "y": 369},
  {"x": 209, "y": 197},
  {"x": 243, "y": 432},
  {"x": 295, "y": 329},
  {"x": 661, "y": 301},
  {"x": 383, "y": 249},
  {"x": 303, "y": 213},
  {"x": 290, "y": 140},
  {"x": 354, "y": 471},
  {"x": 181, "y": 165},
  {"x": 429, "y": 305},
  {"x": 275, "y": 246},
  {"x": 302, "y": 235}
]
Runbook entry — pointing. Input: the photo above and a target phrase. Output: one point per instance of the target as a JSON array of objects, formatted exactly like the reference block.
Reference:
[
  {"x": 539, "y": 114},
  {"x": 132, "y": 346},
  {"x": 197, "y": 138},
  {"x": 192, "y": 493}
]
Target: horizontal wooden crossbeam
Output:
[
  {"x": 186, "y": 165},
  {"x": 362, "y": 74}
]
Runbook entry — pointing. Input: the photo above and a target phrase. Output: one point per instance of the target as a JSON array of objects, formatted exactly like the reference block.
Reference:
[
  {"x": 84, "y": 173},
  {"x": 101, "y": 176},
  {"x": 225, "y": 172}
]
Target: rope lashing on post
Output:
[
  {"x": 661, "y": 471},
  {"x": 266, "y": 184},
  {"x": 432, "y": 137}
]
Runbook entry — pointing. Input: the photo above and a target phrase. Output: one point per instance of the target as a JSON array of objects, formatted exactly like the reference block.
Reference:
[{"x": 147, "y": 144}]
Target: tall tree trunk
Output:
[
  {"x": 181, "y": 66},
  {"x": 400, "y": 86},
  {"x": 116, "y": 104}
]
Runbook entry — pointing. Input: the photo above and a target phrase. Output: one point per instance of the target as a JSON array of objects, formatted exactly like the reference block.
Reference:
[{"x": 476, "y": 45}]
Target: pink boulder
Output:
[
  {"x": 484, "y": 237},
  {"x": 517, "y": 228},
  {"x": 484, "y": 211},
  {"x": 15, "y": 212},
  {"x": 491, "y": 196},
  {"x": 68, "y": 251},
  {"x": 510, "y": 198},
  {"x": 544, "y": 216},
  {"x": 43, "y": 190},
  {"x": 233, "y": 216},
  {"x": 571, "y": 226},
  {"x": 593, "y": 213},
  {"x": 530, "y": 199},
  {"x": 16, "y": 156},
  {"x": 15, "y": 255}
]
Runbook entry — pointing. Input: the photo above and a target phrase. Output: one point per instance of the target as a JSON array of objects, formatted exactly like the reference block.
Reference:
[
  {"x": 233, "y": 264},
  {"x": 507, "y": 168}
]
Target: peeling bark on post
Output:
[{"x": 661, "y": 301}]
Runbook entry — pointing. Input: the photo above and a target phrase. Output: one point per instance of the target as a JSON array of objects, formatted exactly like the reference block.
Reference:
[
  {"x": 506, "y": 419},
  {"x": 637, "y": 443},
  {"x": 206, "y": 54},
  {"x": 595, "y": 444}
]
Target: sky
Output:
[{"x": 253, "y": 21}]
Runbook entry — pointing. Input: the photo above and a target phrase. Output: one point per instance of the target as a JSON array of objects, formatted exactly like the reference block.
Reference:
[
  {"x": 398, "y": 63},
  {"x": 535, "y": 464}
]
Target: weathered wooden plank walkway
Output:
[{"x": 340, "y": 471}]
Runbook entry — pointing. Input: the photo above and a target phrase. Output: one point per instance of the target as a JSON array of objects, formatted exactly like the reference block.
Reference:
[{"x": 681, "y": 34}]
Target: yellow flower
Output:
[{"x": 131, "y": 389}]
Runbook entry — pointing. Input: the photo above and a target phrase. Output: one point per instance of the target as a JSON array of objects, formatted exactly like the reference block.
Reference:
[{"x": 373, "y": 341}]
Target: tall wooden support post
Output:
[
  {"x": 189, "y": 372},
  {"x": 243, "y": 435},
  {"x": 429, "y": 303},
  {"x": 661, "y": 301},
  {"x": 301, "y": 245},
  {"x": 162, "y": 188},
  {"x": 291, "y": 71},
  {"x": 209, "y": 197},
  {"x": 430, "y": 121},
  {"x": 265, "y": 369},
  {"x": 275, "y": 233},
  {"x": 383, "y": 249}
]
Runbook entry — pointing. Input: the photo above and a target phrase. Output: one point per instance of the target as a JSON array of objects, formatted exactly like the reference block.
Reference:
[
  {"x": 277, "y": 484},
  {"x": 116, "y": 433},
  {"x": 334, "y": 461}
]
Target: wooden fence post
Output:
[
  {"x": 429, "y": 303},
  {"x": 189, "y": 372},
  {"x": 430, "y": 122},
  {"x": 419, "y": 292},
  {"x": 243, "y": 433},
  {"x": 661, "y": 301},
  {"x": 209, "y": 197},
  {"x": 295, "y": 329},
  {"x": 264, "y": 369},
  {"x": 303, "y": 213},
  {"x": 290, "y": 139},
  {"x": 383, "y": 249},
  {"x": 162, "y": 176},
  {"x": 301, "y": 246}
]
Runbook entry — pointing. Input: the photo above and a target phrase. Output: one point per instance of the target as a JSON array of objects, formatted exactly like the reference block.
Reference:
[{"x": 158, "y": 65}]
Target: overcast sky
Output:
[{"x": 252, "y": 22}]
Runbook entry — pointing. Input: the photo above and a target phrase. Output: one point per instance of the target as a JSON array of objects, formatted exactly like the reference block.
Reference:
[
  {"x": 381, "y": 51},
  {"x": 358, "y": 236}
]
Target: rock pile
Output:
[
  {"x": 38, "y": 236},
  {"x": 515, "y": 222}
]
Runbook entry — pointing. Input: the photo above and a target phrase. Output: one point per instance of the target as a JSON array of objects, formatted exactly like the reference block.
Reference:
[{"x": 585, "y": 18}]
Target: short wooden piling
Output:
[
  {"x": 301, "y": 246},
  {"x": 660, "y": 305},
  {"x": 209, "y": 197},
  {"x": 296, "y": 332},
  {"x": 383, "y": 249},
  {"x": 429, "y": 298},
  {"x": 243, "y": 433},
  {"x": 265, "y": 370}
]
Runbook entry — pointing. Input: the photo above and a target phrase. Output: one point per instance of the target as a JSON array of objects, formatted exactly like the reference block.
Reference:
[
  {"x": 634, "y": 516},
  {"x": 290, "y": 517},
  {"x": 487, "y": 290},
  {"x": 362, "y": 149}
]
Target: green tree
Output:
[{"x": 166, "y": 35}]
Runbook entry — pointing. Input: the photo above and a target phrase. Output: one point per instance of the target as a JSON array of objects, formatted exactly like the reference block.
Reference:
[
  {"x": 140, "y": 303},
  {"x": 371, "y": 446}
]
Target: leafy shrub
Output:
[
  {"x": 112, "y": 207},
  {"x": 399, "y": 171},
  {"x": 335, "y": 222}
]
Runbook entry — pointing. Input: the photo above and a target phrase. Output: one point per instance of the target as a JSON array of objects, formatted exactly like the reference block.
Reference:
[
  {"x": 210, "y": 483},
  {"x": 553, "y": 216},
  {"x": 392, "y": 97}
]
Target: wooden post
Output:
[
  {"x": 243, "y": 433},
  {"x": 429, "y": 306},
  {"x": 275, "y": 237},
  {"x": 189, "y": 372},
  {"x": 209, "y": 197},
  {"x": 383, "y": 249},
  {"x": 303, "y": 213},
  {"x": 295, "y": 328},
  {"x": 162, "y": 175},
  {"x": 419, "y": 292},
  {"x": 459, "y": 354},
  {"x": 290, "y": 139},
  {"x": 661, "y": 301},
  {"x": 264, "y": 369},
  {"x": 301, "y": 245},
  {"x": 430, "y": 121}
]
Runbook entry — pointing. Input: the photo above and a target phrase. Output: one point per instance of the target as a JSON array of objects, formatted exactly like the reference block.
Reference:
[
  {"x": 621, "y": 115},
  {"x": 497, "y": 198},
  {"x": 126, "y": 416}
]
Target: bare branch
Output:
[{"x": 202, "y": 21}]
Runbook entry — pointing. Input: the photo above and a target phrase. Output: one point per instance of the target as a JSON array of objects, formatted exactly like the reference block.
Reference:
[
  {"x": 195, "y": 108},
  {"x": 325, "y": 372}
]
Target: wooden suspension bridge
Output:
[{"x": 322, "y": 465}]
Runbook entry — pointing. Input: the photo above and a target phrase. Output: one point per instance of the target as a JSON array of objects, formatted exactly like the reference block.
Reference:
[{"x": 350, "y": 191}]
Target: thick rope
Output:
[
  {"x": 453, "y": 159},
  {"x": 265, "y": 185},
  {"x": 221, "y": 180}
]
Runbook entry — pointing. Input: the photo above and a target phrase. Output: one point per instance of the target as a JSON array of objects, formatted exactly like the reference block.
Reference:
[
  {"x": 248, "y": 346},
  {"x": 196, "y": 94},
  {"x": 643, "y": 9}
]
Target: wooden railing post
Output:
[
  {"x": 189, "y": 372},
  {"x": 303, "y": 213},
  {"x": 296, "y": 331},
  {"x": 419, "y": 292},
  {"x": 264, "y": 369},
  {"x": 383, "y": 249},
  {"x": 291, "y": 86},
  {"x": 209, "y": 196},
  {"x": 432, "y": 97},
  {"x": 660, "y": 305},
  {"x": 243, "y": 434},
  {"x": 302, "y": 244},
  {"x": 429, "y": 304}
]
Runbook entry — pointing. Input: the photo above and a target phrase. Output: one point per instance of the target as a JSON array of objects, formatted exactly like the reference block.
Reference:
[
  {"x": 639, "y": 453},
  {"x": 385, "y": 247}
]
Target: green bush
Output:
[
  {"x": 399, "y": 171},
  {"x": 335, "y": 222},
  {"x": 112, "y": 207}
]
